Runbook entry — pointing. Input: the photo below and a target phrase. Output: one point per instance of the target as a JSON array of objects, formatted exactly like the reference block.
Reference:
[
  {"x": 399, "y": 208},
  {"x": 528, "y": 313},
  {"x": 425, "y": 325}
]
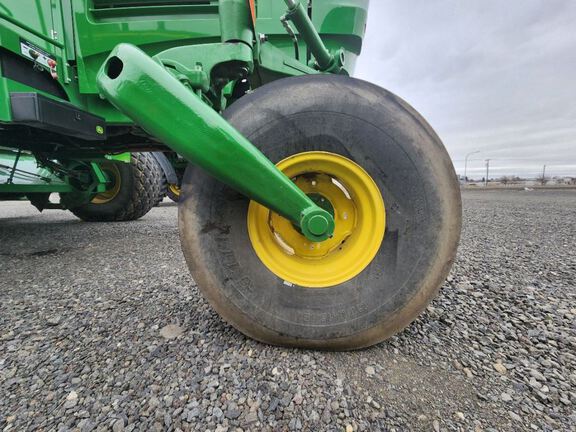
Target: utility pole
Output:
[
  {"x": 487, "y": 172},
  {"x": 543, "y": 178},
  {"x": 466, "y": 164}
]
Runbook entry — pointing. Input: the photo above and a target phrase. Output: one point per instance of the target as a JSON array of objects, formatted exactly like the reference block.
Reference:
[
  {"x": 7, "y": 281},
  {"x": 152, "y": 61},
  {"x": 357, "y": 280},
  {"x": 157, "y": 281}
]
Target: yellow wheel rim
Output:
[
  {"x": 175, "y": 189},
  {"x": 339, "y": 185},
  {"x": 113, "y": 173}
]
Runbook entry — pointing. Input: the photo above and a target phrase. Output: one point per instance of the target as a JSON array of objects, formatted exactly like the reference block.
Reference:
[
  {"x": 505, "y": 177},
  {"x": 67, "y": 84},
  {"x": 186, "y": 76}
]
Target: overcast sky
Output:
[{"x": 498, "y": 76}]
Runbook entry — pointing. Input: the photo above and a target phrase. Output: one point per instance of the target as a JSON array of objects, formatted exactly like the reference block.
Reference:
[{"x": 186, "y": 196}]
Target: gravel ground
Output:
[{"x": 101, "y": 328}]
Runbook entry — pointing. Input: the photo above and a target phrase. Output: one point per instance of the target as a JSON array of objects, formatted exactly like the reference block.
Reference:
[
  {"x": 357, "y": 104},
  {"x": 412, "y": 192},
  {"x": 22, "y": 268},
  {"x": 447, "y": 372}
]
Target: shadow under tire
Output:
[
  {"x": 137, "y": 193},
  {"x": 407, "y": 162}
]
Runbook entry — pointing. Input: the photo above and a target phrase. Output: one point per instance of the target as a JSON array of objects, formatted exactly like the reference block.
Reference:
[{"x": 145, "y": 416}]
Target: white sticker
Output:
[{"x": 36, "y": 54}]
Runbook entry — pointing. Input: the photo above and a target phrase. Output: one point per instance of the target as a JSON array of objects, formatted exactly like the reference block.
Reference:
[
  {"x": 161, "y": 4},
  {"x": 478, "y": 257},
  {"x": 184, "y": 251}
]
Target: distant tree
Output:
[
  {"x": 572, "y": 180},
  {"x": 504, "y": 180}
]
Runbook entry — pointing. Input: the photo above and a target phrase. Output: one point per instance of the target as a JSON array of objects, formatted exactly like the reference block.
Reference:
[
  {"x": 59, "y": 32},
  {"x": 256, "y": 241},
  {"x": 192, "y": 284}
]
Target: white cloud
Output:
[{"x": 492, "y": 75}]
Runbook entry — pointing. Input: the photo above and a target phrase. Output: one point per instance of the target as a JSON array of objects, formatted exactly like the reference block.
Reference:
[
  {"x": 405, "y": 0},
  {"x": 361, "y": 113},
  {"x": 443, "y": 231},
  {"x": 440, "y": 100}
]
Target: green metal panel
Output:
[
  {"x": 156, "y": 26},
  {"x": 68, "y": 29},
  {"x": 43, "y": 27},
  {"x": 87, "y": 30},
  {"x": 33, "y": 17},
  {"x": 22, "y": 173},
  {"x": 341, "y": 24},
  {"x": 27, "y": 176},
  {"x": 189, "y": 38},
  {"x": 5, "y": 114},
  {"x": 235, "y": 21},
  {"x": 152, "y": 25},
  {"x": 345, "y": 18}
]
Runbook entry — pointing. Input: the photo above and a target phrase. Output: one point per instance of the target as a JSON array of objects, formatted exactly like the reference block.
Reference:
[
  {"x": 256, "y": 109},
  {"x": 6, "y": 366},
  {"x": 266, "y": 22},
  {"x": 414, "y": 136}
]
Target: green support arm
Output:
[{"x": 153, "y": 98}]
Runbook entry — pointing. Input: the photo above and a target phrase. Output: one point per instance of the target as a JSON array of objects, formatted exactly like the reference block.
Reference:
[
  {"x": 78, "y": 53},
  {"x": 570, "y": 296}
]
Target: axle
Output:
[{"x": 153, "y": 98}]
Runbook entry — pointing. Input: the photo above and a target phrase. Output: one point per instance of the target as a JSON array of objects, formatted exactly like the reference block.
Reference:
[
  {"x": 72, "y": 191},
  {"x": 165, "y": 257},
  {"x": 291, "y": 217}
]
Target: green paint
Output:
[
  {"x": 88, "y": 30},
  {"x": 24, "y": 174},
  {"x": 235, "y": 21},
  {"x": 325, "y": 60},
  {"x": 27, "y": 175},
  {"x": 143, "y": 90},
  {"x": 121, "y": 157},
  {"x": 201, "y": 49}
]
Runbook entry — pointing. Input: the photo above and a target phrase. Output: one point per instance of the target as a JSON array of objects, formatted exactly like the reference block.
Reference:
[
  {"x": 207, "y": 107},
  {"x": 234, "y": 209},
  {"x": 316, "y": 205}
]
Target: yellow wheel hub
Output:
[
  {"x": 113, "y": 173},
  {"x": 340, "y": 186},
  {"x": 175, "y": 189}
]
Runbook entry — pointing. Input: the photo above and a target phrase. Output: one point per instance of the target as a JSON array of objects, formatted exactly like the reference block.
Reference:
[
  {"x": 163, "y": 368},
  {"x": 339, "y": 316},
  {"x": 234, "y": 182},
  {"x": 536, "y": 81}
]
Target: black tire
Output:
[
  {"x": 138, "y": 193},
  {"x": 173, "y": 194},
  {"x": 162, "y": 189},
  {"x": 412, "y": 170}
]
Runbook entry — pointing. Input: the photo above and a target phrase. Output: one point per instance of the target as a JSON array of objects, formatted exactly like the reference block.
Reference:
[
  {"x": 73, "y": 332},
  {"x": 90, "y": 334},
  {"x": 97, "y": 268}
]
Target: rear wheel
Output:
[
  {"x": 162, "y": 189},
  {"x": 367, "y": 157},
  {"x": 173, "y": 192},
  {"x": 133, "y": 191}
]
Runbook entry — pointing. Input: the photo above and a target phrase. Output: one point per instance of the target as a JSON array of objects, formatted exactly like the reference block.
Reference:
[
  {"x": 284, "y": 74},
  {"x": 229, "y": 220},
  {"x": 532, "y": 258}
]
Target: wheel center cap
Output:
[{"x": 318, "y": 225}]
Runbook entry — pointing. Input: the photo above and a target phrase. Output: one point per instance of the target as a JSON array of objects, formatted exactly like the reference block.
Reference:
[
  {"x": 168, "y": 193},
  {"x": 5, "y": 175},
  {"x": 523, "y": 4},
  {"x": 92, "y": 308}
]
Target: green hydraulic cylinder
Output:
[
  {"x": 324, "y": 59},
  {"x": 154, "y": 99}
]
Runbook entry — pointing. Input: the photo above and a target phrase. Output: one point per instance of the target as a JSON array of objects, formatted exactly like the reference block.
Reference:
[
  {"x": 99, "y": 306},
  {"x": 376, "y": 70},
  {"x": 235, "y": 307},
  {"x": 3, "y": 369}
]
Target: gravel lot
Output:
[{"x": 102, "y": 328}]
